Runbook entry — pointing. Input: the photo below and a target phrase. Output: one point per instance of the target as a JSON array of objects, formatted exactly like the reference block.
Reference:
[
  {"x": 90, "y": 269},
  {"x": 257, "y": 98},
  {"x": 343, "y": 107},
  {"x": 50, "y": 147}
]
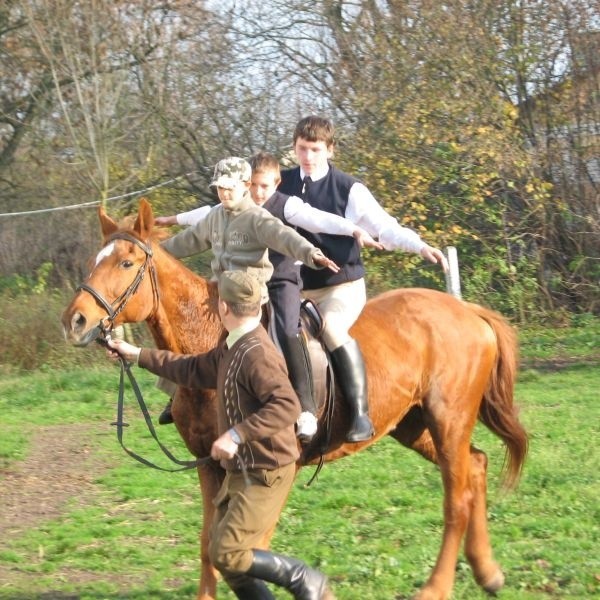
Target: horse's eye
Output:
[{"x": 127, "y": 264}]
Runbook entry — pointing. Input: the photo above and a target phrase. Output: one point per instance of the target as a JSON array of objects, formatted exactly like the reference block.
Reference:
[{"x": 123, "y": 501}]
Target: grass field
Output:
[{"x": 371, "y": 521}]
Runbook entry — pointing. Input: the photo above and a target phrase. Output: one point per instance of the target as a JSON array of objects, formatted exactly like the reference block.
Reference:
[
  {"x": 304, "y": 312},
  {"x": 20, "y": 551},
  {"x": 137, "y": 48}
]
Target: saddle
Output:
[
  {"x": 321, "y": 369},
  {"x": 321, "y": 375}
]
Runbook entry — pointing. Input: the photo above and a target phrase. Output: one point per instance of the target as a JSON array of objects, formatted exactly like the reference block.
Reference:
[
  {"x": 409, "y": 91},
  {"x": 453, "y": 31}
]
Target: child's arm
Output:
[
  {"x": 189, "y": 218},
  {"x": 364, "y": 210},
  {"x": 189, "y": 241},
  {"x": 273, "y": 233},
  {"x": 301, "y": 214}
]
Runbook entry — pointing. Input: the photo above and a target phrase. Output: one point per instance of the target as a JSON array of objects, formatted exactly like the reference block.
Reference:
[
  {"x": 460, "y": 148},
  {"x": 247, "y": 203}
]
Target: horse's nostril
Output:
[{"x": 78, "y": 321}]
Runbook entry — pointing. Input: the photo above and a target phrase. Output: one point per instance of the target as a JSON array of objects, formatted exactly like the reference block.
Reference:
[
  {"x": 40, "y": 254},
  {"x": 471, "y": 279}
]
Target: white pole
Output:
[{"x": 452, "y": 276}]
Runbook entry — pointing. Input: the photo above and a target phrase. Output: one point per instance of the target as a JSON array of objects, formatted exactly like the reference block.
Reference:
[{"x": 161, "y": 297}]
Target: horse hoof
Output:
[{"x": 495, "y": 583}]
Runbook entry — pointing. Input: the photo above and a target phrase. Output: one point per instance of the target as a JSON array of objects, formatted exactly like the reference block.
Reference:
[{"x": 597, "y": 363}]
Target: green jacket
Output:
[{"x": 240, "y": 240}]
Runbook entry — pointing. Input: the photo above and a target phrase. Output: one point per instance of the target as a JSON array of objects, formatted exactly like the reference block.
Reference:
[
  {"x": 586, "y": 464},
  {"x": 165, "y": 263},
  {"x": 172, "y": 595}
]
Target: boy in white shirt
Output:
[{"x": 341, "y": 296}]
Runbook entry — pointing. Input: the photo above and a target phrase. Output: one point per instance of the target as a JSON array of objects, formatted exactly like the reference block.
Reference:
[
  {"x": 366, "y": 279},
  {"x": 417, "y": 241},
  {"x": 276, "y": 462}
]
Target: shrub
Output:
[{"x": 32, "y": 336}]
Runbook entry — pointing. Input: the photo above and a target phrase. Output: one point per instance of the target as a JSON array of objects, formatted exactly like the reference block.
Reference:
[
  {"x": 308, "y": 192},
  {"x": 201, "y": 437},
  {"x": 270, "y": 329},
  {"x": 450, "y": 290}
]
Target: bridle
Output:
[
  {"x": 103, "y": 329},
  {"x": 114, "y": 308}
]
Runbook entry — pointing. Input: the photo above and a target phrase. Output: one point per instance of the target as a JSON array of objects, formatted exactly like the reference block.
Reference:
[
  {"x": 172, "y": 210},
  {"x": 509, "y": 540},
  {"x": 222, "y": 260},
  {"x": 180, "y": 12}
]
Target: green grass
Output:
[
  {"x": 559, "y": 344},
  {"x": 371, "y": 521}
]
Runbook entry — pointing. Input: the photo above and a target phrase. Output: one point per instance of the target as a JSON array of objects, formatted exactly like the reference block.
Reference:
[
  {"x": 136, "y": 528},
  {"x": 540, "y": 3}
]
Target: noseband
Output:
[{"x": 118, "y": 304}]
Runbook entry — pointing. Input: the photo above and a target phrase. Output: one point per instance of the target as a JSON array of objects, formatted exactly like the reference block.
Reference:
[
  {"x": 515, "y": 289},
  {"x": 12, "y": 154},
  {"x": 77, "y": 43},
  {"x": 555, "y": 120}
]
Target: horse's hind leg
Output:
[
  {"x": 414, "y": 434},
  {"x": 478, "y": 548},
  {"x": 464, "y": 478},
  {"x": 464, "y": 472},
  {"x": 454, "y": 463}
]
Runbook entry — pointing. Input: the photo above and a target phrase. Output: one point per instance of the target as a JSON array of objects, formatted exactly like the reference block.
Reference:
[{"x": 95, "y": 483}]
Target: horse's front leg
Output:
[
  {"x": 211, "y": 477},
  {"x": 478, "y": 548}
]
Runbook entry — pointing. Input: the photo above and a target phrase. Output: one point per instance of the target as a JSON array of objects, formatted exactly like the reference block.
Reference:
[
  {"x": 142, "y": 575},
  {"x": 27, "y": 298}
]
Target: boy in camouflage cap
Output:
[
  {"x": 240, "y": 233},
  {"x": 229, "y": 171}
]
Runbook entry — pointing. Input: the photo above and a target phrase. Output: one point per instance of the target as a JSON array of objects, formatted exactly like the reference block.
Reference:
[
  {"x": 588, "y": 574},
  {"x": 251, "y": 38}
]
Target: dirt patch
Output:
[
  {"x": 61, "y": 465},
  {"x": 559, "y": 363}
]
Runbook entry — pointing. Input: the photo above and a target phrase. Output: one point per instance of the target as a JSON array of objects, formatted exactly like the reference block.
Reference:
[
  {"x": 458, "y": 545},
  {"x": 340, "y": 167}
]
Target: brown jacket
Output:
[{"x": 254, "y": 394}]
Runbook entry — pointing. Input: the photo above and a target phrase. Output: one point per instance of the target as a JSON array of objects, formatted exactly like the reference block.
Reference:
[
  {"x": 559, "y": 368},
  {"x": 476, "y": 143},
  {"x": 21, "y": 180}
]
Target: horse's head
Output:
[{"x": 121, "y": 287}]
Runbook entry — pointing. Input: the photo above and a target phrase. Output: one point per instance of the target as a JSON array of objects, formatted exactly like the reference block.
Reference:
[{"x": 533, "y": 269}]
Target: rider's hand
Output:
[
  {"x": 365, "y": 240},
  {"x": 435, "y": 256},
  {"x": 120, "y": 348},
  {"x": 163, "y": 221},
  {"x": 322, "y": 261}
]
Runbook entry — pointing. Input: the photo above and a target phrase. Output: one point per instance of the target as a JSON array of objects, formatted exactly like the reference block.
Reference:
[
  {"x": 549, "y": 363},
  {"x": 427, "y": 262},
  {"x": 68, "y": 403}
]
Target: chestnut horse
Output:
[{"x": 435, "y": 365}]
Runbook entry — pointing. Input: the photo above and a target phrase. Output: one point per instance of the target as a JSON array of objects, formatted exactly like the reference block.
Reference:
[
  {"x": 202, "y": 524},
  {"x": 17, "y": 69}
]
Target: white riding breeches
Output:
[{"x": 340, "y": 305}]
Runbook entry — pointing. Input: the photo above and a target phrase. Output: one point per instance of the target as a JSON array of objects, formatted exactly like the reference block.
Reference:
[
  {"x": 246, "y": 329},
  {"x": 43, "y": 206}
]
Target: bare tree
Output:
[{"x": 87, "y": 105}]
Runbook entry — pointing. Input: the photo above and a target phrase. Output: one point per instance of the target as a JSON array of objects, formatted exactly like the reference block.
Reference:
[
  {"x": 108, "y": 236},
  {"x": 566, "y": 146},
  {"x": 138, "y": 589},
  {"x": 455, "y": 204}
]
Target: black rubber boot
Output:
[
  {"x": 349, "y": 369},
  {"x": 165, "y": 417},
  {"x": 289, "y": 573},
  {"x": 252, "y": 589}
]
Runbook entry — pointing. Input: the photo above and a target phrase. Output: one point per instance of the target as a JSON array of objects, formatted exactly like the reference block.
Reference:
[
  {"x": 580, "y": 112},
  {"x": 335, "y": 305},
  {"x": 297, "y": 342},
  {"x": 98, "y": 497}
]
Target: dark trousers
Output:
[{"x": 285, "y": 300}]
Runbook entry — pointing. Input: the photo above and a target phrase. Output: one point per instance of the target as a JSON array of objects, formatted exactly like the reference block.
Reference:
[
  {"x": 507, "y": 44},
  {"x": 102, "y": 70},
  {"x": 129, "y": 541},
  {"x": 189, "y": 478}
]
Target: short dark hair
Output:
[{"x": 315, "y": 129}]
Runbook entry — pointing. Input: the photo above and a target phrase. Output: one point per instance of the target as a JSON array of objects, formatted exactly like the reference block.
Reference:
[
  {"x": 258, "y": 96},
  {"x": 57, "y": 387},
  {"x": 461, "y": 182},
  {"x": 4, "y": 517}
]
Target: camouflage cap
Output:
[
  {"x": 239, "y": 287},
  {"x": 230, "y": 171}
]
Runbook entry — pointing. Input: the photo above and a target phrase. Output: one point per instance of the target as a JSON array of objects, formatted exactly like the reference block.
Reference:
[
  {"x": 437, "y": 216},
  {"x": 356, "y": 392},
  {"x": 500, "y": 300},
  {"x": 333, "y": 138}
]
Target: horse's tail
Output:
[{"x": 498, "y": 411}]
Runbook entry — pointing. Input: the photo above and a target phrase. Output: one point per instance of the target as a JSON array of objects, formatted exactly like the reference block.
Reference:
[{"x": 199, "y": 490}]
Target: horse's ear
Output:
[
  {"x": 107, "y": 225},
  {"x": 145, "y": 219}
]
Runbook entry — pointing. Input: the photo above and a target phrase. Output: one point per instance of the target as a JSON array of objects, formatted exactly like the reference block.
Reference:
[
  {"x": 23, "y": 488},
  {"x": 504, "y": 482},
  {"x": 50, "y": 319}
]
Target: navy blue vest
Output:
[
  {"x": 284, "y": 267},
  {"x": 331, "y": 195}
]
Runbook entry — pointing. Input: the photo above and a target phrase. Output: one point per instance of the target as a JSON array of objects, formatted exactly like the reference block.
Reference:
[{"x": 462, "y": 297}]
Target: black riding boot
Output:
[
  {"x": 289, "y": 573},
  {"x": 165, "y": 417},
  {"x": 298, "y": 364},
  {"x": 299, "y": 370},
  {"x": 349, "y": 369},
  {"x": 252, "y": 589}
]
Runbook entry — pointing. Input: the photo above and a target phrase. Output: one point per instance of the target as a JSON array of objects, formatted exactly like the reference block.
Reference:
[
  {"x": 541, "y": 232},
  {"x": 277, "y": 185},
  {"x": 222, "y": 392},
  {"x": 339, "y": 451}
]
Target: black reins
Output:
[{"x": 120, "y": 425}]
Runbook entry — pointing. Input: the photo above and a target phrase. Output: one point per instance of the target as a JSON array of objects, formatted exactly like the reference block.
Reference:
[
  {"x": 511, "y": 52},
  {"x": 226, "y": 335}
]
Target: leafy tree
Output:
[
  {"x": 430, "y": 100},
  {"x": 475, "y": 123}
]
